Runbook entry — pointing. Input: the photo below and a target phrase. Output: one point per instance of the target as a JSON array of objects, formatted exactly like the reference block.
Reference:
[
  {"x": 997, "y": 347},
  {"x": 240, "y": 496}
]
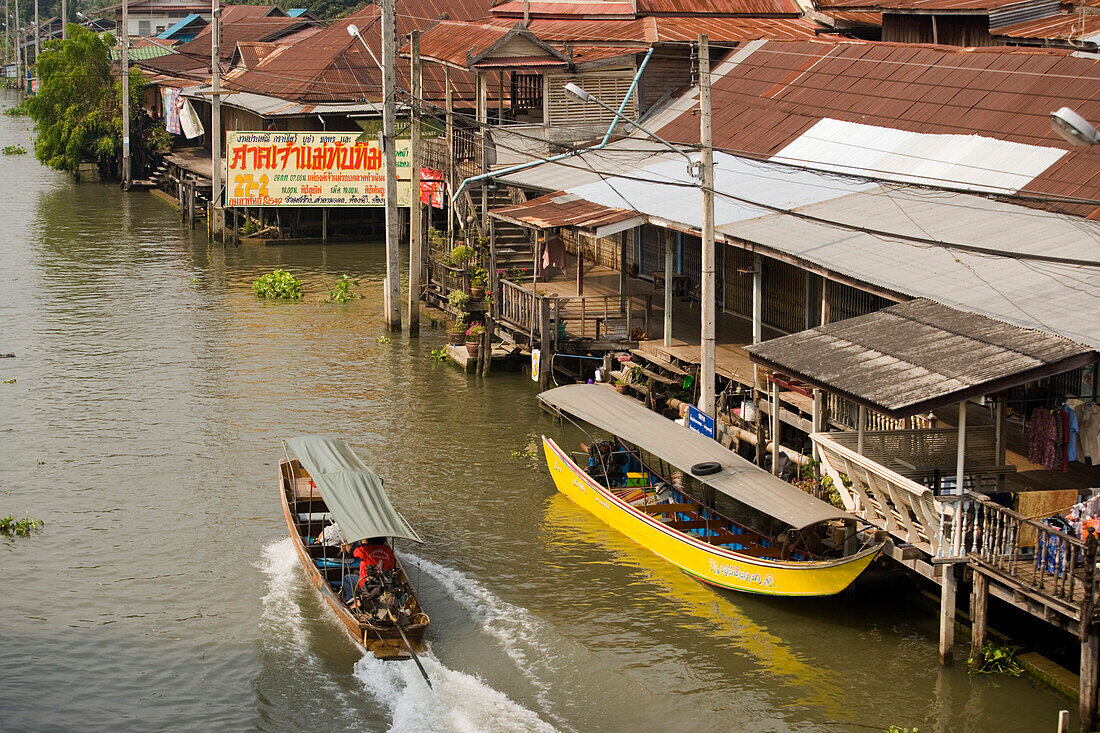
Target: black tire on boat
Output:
[{"x": 706, "y": 468}]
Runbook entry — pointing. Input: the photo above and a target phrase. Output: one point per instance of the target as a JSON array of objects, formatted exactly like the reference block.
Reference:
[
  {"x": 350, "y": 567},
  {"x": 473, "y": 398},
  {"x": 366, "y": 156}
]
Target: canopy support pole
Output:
[
  {"x": 960, "y": 455},
  {"x": 861, "y": 429},
  {"x": 668, "y": 288},
  {"x": 775, "y": 428}
]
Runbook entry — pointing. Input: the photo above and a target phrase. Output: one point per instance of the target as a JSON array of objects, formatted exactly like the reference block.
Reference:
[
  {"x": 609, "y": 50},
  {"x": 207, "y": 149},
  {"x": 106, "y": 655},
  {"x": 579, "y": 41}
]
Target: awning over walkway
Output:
[
  {"x": 629, "y": 420},
  {"x": 353, "y": 492},
  {"x": 914, "y": 357},
  {"x": 562, "y": 209}
]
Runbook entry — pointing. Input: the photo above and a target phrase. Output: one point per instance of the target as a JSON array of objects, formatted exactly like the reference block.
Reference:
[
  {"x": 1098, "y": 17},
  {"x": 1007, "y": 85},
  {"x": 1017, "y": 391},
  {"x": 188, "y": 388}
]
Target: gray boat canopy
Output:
[
  {"x": 632, "y": 422},
  {"x": 353, "y": 492}
]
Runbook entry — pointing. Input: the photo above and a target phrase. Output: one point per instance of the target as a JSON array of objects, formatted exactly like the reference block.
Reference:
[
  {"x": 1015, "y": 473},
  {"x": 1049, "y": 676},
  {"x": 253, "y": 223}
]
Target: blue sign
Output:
[{"x": 700, "y": 421}]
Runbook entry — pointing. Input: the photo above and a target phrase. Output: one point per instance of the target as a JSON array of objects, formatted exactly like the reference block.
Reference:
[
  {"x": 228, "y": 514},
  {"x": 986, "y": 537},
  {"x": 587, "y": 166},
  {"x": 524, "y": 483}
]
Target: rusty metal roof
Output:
[
  {"x": 917, "y": 6},
  {"x": 574, "y": 8},
  {"x": 562, "y": 209},
  {"x": 720, "y": 7},
  {"x": 918, "y": 356},
  {"x": 653, "y": 29},
  {"x": 247, "y": 29},
  {"x": 1067, "y": 26},
  {"x": 768, "y": 93},
  {"x": 856, "y": 18}
]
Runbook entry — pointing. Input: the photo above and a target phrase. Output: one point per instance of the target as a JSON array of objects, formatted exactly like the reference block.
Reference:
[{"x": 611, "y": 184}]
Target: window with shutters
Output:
[{"x": 610, "y": 87}]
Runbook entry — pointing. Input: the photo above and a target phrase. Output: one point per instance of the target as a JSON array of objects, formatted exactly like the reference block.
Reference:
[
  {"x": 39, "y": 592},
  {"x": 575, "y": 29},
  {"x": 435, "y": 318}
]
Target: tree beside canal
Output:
[{"x": 78, "y": 112}]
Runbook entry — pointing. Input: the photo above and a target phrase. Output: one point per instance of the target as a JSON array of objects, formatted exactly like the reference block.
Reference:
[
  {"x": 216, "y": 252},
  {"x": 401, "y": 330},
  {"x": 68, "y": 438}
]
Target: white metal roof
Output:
[
  {"x": 1057, "y": 298},
  {"x": 622, "y": 155},
  {"x": 273, "y": 107},
  {"x": 969, "y": 162}
]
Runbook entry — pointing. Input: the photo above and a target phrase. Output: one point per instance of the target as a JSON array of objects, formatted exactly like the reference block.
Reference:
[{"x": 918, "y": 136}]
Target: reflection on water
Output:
[{"x": 151, "y": 391}]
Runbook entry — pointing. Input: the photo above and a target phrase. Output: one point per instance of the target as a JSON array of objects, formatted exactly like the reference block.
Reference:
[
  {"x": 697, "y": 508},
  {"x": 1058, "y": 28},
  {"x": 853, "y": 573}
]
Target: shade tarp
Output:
[
  {"x": 353, "y": 492},
  {"x": 632, "y": 422}
]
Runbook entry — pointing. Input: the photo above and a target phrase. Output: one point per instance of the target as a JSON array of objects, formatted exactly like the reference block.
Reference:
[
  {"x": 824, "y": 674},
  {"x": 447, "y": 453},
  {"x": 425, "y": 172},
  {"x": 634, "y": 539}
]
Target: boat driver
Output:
[{"x": 375, "y": 558}]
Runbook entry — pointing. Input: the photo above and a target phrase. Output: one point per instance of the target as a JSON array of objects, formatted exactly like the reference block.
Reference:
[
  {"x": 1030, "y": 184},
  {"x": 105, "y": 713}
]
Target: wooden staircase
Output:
[{"x": 514, "y": 247}]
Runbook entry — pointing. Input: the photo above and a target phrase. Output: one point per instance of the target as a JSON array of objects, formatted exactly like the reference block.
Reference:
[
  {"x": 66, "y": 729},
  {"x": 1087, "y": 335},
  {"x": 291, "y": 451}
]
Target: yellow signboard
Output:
[{"x": 310, "y": 169}]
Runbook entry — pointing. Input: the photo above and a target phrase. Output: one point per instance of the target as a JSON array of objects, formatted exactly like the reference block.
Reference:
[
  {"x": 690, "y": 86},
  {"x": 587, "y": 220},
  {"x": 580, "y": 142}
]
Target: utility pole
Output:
[
  {"x": 20, "y": 72},
  {"x": 7, "y": 30},
  {"x": 392, "y": 300},
  {"x": 64, "y": 19},
  {"x": 125, "y": 94},
  {"x": 216, "y": 228},
  {"x": 706, "y": 291},
  {"x": 37, "y": 34},
  {"x": 416, "y": 253}
]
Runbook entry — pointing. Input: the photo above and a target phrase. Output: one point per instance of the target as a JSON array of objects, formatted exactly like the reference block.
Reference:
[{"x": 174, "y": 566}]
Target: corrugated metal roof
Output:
[
  {"x": 183, "y": 23},
  {"x": 970, "y": 162},
  {"x": 645, "y": 31},
  {"x": 450, "y": 41},
  {"x": 918, "y": 6},
  {"x": 1065, "y": 26},
  {"x": 273, "y": 107},
  {"x": 578, "y": 8},
  {"x": 768, "y": 93},
  {"x": 720, "y": 7},
  {"x": 855, "y": 18},
  {"x": 1046, "y": 296},
  {"x": 563, "y": 209},
  {"x": 1058, "y": 298},
  {"x": 917, "y": 356}
]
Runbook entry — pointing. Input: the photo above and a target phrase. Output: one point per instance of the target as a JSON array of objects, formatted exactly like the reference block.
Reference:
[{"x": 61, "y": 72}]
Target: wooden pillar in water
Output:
[
  {"x": 546, "y": 364},
  {"x": 776, "y": 429},
  {"x": 668, "y": 288},
  {"x": 979, "y": 605},
  {"x": 948, "y": 586},
  {"x": 1090, "y": 642},
  {"x": 960, "y": 453}
]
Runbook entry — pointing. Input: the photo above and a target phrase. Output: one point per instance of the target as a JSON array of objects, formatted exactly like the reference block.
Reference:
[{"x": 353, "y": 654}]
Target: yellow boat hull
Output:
[{"x": 714, "y": 565}]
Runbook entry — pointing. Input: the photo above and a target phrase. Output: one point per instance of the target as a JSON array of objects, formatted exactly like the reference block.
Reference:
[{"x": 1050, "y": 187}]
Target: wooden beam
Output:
[{"x": 979, "y": 605}]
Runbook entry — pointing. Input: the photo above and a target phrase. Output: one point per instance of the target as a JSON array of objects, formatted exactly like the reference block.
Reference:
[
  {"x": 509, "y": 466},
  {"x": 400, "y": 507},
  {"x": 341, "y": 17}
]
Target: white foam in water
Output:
[
  {"x": 517, "y": 633},
  {"x": 456, "y": 701},
  {"x": 281, "y": 611}
]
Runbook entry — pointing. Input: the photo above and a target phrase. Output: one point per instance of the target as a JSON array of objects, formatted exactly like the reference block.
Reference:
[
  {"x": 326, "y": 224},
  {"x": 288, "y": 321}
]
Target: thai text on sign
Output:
[{"x": 310, "y": 169}]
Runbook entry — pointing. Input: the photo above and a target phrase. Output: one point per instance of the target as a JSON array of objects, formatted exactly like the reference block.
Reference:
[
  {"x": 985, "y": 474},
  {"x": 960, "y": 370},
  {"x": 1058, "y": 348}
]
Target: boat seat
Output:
[
  {"x": 694, "y": 524},
  {"x": 314, "y": 516},
  {"x": 668, "y": 508}
]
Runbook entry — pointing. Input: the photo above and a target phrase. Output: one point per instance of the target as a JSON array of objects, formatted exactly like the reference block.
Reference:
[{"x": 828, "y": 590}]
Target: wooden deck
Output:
[{"x": 732, "y": 333}]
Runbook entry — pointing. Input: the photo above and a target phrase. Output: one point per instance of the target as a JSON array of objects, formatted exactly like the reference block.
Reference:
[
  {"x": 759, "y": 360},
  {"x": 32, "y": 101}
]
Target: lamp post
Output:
[
  {"x": 1073, "y": 128},
  {"x": 702, "y": 173},
  {"x": 392, "y": 292}
]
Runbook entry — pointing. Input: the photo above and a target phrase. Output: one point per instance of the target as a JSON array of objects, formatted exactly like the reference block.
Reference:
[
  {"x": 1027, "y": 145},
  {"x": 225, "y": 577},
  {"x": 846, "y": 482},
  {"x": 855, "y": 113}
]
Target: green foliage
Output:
[
  {"x": 278, "y": 284},
  {"x": 438, "y": 355},
  {"x": 996, "y": 659},
  {"x": 10, "y": 381},
  {"x": 479, "y": 277},
  {"x": 896, "y": 729},
  {"x": 458, "y": 299},
  {"x": 382, "y": 339},
  {"x": 14, "y": 150},
  {"x": 525, "y": 453},
  {"x": 822, "y": 488},
  {"x": 249, "y": 228},
  {"x": 19, "y": 110},
  {"x": 517, "y": 274},
  {"x": 473, "y": 333},
  {"x": 341, "y": 292},
  {"x": 77, "y": 112},
  {"x": 9, "y": 525},
  {"x": 459, "y": 255}
]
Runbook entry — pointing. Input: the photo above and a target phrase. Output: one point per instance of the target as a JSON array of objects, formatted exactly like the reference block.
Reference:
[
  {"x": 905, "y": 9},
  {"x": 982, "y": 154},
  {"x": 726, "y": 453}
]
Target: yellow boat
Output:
[{"x": 700, "y": 506}]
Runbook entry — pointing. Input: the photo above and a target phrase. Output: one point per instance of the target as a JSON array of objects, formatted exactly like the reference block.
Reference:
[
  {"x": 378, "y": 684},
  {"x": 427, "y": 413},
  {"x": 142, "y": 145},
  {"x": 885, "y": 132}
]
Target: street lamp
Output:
[
  {"x": 581, "y": 94},
  {"x": 353, "y": 31},
  {"x": 1073, "y": 128}
]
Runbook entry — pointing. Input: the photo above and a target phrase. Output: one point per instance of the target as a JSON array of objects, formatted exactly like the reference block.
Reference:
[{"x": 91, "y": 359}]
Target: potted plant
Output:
[
  {"x": 458, "y": 300},
  {"x": 620, "y": 386},
  {"x": 459, "y": 256},
  {"x": 473, "y": 339},
  {"x": 479, "y": 281},
  {"x": 456, "y": 332}
]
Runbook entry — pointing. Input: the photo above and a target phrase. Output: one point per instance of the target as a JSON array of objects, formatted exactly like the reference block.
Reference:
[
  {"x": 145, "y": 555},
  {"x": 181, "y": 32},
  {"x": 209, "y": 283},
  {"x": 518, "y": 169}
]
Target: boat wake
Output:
[
  {"x": 516, "y": 632},
  {"x": 457, "y": 701}
]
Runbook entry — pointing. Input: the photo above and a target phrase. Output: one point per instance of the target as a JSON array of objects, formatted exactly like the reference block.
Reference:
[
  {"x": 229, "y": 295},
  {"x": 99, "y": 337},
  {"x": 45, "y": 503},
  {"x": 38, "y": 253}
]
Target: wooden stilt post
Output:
[
  {"x": 979, "y": 604},
  {"x": 819, "y": 426},
  {"x": 668, "y": 288},
  {"x": 776, "y": 429},
  {"x": 547, "y": 361},
  {"x": 1090, "y": 641},
  {"x": 948, "y": 585}
]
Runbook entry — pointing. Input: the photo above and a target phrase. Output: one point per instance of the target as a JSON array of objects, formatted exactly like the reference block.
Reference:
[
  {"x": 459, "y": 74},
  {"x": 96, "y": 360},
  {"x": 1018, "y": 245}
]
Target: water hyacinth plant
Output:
[
  {"x": 341, "y": 292},
  {"x": 279, "y": 284}
]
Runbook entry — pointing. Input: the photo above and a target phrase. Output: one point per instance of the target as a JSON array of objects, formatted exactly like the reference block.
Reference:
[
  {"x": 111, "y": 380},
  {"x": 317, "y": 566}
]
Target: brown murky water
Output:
[{"x": 152, "y": 389}]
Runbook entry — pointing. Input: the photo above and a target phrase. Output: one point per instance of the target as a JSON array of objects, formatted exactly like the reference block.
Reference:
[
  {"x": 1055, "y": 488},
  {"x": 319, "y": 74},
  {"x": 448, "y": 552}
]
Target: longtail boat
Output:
[
  {"x": 327, "y": 482},
  {"x": 701, "y": 507}
]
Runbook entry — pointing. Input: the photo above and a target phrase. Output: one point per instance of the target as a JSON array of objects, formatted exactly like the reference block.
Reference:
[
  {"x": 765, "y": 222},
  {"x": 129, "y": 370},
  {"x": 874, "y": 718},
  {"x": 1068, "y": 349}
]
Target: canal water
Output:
[{"x": 141, "y": 420}]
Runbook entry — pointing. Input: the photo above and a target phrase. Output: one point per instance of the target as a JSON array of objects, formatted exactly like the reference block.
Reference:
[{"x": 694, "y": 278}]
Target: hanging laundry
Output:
[
  {"x": 1043, "y": 438},
  {"x": 1073, "y": 430}
]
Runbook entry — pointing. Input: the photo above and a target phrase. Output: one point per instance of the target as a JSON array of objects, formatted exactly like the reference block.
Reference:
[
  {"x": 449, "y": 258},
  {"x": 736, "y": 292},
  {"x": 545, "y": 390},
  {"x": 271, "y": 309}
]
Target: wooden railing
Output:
[
  {"x": 901, "y": 506},
  {"x": 841, "y": 412},
  {"x": 1034, "y": 556},
  {"x": 447, "y": 278},
  {"x": 611, "y": 318}
]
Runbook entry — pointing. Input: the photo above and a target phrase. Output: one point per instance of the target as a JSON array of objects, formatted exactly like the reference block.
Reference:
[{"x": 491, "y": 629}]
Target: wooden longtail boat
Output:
[
  {"x": 700, "y": 506},
  {"x": 327, "y": 482}
]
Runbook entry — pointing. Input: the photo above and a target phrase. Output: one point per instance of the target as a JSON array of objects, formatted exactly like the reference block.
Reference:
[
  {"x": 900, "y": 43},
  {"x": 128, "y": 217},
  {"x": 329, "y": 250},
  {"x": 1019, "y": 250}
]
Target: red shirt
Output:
[{"x": 380, "y": 555}]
